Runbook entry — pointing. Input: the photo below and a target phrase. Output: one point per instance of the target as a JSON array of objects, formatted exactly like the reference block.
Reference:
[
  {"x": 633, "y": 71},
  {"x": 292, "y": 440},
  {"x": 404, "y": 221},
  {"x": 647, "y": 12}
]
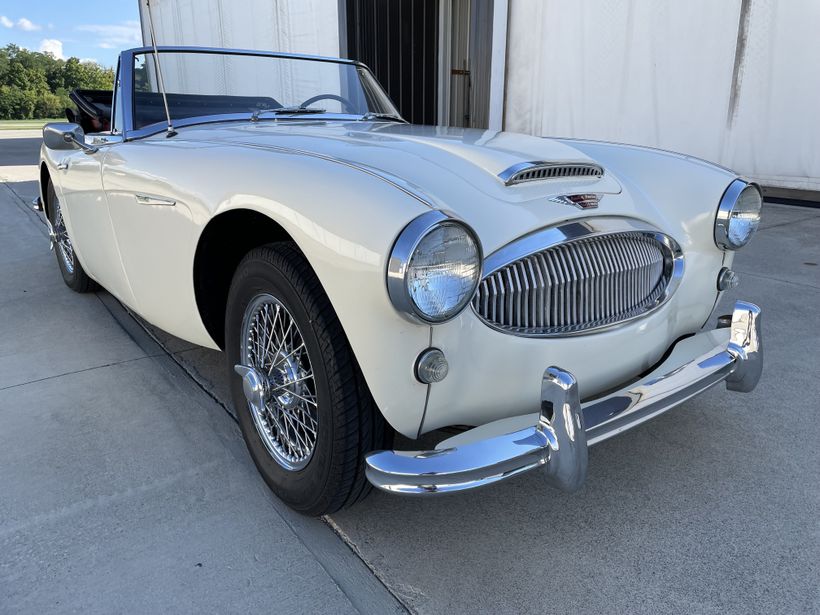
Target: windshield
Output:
[{"x": 201, "y": 84}]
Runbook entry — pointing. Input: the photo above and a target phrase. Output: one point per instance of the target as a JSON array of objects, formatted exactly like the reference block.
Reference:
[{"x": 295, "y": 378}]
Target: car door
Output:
[{"x": 156, "y": 232}]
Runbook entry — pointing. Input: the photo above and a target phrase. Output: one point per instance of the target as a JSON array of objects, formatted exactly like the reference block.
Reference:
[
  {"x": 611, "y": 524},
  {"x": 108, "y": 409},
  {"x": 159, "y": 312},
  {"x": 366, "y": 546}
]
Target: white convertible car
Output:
[{"x": 365, "y": 277}]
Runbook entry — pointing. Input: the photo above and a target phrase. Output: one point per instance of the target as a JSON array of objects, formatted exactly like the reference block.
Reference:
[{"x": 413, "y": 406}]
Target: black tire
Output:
[
  {"x": 73, "y": 273},
  {"x": 349, "y": 423}
]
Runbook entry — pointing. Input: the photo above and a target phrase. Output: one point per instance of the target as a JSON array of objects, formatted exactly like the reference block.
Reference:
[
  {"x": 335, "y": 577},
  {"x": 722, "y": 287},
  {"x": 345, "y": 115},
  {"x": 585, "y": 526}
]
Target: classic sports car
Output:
[{"x": 365, "y": 277}]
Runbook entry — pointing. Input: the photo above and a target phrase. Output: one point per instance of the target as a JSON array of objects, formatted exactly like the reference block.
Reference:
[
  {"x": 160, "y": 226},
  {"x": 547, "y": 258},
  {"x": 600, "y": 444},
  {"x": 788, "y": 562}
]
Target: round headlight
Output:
[
  {"x": 434, "y": 268},
  {"x": 738, "y": 215}
]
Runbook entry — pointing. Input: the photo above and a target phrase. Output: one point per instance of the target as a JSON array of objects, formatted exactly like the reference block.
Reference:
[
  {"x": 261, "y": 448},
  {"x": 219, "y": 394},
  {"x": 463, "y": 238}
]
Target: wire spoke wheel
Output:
[
  {"x": 61, "y": 238},
  {"x": 273, "y": 346},
  {"x": 305, "y": 412}
]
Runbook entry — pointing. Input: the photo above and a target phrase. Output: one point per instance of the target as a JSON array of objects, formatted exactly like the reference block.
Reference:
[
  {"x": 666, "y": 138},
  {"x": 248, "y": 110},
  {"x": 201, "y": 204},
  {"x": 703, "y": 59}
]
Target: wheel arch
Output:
[{"x": 226, "y": 239}]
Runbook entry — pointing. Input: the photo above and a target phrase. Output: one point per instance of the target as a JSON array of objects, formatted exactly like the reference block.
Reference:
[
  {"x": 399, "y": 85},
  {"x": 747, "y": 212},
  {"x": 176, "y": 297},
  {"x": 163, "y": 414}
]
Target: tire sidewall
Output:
[
  {"x": 51, "y": 194},
  {"x": 300, "y": 488}
]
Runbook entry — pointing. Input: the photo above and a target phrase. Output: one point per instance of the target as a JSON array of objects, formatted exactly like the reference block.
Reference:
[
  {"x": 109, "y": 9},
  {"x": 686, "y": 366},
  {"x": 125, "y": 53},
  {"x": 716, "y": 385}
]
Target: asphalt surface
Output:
[
  {"x": 19, "y": 147},
  {"x": 711, "y": 508}
]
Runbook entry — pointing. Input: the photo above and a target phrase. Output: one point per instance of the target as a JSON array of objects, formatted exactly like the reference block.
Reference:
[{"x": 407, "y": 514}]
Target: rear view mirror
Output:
[{"x": 62, "y": 135}]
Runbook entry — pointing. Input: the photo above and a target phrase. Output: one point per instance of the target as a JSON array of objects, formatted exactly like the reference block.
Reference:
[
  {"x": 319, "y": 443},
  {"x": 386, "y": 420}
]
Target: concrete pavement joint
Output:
[
  {"x": 790, "y": 223},
  {"x": 30, "y": 213},
  {"x": 337, "y": 529},
  {"x": 164, "y": 351},
  {"x": 773, "y": 279},
  {"x": 77, "y": 371},
  {"x": 104, "y": 500}
]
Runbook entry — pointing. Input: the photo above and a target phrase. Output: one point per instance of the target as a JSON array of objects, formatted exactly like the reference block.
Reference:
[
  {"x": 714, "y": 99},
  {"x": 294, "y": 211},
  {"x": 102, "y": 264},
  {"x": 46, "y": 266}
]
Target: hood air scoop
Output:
[{"x": 539, "y": 171}]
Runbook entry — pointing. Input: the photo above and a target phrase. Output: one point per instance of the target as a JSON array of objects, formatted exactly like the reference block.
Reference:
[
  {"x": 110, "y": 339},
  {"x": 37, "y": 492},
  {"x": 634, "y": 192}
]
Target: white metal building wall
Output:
[
  {"x": 733, "y": 81},
  {"x": 306, "y": 26}
]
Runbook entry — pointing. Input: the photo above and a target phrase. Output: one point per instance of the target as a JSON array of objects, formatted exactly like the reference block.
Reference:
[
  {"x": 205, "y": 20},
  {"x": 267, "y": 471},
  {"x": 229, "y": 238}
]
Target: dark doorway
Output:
[{"x": 398, "y": 40}]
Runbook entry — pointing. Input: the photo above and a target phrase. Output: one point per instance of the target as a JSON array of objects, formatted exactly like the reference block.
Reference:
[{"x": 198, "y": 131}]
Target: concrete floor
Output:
[{"x": 712, "y": 508}]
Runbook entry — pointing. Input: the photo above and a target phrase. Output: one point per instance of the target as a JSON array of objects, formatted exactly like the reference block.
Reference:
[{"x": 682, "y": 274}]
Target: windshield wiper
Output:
[
  {"x": 372, "y": 115},
  {"x": 286, "y": 111}
]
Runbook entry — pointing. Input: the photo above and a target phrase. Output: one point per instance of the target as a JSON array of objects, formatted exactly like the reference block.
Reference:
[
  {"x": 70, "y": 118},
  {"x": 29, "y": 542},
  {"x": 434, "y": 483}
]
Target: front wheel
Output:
[
  {"x": 305, "y": 412},
  {"x": 73, "y": 273}
]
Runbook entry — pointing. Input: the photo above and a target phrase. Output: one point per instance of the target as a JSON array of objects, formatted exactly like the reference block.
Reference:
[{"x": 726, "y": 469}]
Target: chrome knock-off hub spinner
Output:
[{"x": 254, "y": 386}]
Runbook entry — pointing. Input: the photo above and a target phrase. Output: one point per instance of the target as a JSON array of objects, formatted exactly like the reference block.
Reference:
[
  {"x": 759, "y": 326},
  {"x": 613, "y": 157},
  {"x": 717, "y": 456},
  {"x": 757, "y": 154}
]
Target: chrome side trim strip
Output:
[
  {"x": 559, "y": 439},
  {"x": 147, "y": 199}
]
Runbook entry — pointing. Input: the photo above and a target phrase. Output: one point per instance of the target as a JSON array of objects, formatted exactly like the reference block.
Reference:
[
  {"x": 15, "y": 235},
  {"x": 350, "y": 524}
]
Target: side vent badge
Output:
[{"x": 581, "y": 201}]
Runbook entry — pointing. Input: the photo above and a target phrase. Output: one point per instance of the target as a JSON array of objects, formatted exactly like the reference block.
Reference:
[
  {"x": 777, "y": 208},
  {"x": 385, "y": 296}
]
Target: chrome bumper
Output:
[{"x": 565, "y": 428}]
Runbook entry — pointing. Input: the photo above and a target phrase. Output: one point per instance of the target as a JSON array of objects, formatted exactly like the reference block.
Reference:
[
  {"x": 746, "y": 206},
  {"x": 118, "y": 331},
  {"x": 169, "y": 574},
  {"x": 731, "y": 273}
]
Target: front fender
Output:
[{"x": 344, "y": 222}]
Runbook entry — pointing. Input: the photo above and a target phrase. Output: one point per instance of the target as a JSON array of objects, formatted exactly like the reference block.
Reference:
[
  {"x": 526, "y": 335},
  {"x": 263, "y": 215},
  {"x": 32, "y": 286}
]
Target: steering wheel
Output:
[{"x": 346, "y": 104}]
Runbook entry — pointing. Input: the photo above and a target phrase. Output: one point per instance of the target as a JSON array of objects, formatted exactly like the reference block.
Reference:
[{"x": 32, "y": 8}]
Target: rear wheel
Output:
[
  {"x": 304, "y": 409},
  {"x": 73, "y": 273}
]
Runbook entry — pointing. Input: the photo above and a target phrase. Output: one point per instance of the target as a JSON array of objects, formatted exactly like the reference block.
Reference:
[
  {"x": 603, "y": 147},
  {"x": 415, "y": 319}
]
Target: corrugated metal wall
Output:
[
  {"x": 736, "y": 81},
  {"x": 459, "y": 93},
  {"x": 398, "y": 40},
  {"x": 471, "y": 32},
  {"x": 481, "y": 28}
]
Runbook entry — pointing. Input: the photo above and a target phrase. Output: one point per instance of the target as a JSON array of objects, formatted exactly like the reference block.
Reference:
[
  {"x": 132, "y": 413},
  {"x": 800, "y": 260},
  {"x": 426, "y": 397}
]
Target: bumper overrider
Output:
[{"x": 565, "y": 427}]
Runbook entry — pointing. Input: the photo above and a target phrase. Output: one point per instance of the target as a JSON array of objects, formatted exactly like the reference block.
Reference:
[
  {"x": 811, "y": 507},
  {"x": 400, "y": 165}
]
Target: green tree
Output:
[
  {"x": 36, "y": 85},
  {"x": 16, "y": 104}
]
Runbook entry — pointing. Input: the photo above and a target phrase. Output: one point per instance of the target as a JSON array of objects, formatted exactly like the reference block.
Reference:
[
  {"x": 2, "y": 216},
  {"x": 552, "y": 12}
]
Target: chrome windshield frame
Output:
[{"x": 129, "y": 132}]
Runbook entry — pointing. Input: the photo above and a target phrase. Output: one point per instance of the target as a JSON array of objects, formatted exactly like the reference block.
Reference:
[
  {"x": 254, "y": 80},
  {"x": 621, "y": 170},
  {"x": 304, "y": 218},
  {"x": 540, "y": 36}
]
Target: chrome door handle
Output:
[
  {"x": 147, "y": 199},
  {"x": 62, "y": 166}
]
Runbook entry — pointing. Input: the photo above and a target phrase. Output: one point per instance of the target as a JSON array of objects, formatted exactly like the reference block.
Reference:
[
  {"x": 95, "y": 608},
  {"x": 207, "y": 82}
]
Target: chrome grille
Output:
[
  {"x": 578, "y": 285},
  {"x": 537, "y": 171}
]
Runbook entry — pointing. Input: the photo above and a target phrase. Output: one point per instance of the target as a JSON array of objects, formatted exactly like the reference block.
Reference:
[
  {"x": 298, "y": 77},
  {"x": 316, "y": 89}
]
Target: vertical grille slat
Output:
[{"x": 577, "y": 285}]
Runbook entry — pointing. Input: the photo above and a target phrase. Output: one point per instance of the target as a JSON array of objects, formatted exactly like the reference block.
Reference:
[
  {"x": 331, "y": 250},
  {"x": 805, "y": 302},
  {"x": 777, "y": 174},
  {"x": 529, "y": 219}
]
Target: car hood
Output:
[{"x": 453, "y": 169}]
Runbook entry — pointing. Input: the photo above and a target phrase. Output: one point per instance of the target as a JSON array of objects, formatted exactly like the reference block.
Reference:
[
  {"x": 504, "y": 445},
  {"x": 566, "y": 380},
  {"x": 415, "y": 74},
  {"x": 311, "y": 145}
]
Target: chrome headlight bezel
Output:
[
  {"x": 402, "y": 254},
  {"x": 724, "y": 218}
]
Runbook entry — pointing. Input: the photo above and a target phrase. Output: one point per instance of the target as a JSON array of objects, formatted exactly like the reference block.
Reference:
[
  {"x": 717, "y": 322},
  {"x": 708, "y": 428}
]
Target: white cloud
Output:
[
  {"x": 89, "y": 61},
  {"x": 6, "y": 22},
  {"x": 115, "y": 36},
  {"x": 53, "y": 46},
  {"x": 26, "y": 25}
]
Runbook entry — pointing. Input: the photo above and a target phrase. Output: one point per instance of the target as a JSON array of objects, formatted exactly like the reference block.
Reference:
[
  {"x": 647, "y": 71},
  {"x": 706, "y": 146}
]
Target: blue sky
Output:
[{"x": 88, "y": 29}]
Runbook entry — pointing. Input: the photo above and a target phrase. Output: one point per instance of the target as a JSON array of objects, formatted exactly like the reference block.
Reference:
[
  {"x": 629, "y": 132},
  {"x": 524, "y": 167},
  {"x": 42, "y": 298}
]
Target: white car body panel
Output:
[
  {"x": 78, "y": 183},
  {"x": 343, "y": 191}
]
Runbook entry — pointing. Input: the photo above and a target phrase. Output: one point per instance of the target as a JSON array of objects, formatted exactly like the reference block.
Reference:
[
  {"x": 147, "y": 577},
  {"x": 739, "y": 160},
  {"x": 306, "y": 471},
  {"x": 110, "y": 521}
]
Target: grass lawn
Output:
[{"x": 26, "y": 124}]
